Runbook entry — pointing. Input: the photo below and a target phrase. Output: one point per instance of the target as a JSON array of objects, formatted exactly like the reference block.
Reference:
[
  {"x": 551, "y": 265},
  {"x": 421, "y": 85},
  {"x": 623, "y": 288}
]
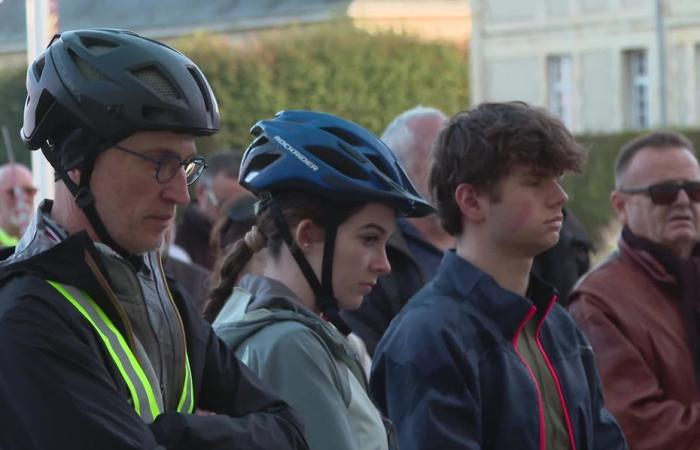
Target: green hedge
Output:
[{"x": 367, "y": 78}]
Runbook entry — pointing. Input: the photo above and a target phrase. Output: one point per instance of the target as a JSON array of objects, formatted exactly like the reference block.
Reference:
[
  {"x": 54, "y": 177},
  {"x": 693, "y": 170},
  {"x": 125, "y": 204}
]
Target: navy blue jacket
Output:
[{"x": 448, "y": 375}]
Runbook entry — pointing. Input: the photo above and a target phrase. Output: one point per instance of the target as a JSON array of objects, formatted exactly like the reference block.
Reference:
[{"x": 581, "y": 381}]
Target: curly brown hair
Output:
[{"x": 481, "y": 145}]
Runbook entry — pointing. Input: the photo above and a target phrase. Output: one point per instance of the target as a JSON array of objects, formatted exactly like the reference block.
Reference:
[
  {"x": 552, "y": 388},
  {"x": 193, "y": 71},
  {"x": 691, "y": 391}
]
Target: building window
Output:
[
  {"x": 637, "y": 88},
  {"x": 560, "y": 88}
]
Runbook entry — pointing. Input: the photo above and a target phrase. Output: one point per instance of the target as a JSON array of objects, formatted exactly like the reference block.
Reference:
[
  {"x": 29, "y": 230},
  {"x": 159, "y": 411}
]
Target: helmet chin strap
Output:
[
  {"x": 82, "y": 195},
  {"x": 323, "y": 290}
]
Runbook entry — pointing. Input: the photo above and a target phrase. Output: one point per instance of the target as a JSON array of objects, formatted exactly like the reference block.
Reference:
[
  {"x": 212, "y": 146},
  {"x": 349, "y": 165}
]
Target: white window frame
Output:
[
  {"x": 560, "y": 88},
  {"x": 637, "y": 88}
]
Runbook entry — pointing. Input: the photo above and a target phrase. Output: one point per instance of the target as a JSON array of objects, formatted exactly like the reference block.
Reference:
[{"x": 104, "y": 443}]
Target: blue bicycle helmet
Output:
[
  {"x": 319, "y": 152},
  {"x": 335, "y": 158}
]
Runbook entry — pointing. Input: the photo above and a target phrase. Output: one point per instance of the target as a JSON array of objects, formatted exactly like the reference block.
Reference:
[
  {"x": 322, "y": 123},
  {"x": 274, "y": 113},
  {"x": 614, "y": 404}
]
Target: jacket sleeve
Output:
[
  {"x": 248, "y": 415},
  {"x": 605, "y": 431},
  {"x": 649, "y": 419},
  {"x": 55, "y": 390},
  {"x": 297, "y": 365},
  {"x": 424, "y": 390}
]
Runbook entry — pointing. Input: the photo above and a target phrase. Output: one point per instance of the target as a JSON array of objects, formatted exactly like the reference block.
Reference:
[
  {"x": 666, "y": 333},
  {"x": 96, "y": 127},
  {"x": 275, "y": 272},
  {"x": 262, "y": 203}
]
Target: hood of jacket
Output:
[{"x": 260, "y": 302}]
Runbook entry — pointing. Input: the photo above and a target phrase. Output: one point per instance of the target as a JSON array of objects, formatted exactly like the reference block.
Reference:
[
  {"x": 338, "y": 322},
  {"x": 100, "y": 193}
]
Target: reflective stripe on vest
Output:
[
  {"x": 6, "y": 240},
  {"x": 142, "y": 394}
]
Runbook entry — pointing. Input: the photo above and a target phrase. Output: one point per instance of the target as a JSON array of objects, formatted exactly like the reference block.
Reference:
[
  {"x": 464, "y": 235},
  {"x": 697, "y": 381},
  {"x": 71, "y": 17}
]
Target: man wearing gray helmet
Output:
[{"x": 98, "y": 349}]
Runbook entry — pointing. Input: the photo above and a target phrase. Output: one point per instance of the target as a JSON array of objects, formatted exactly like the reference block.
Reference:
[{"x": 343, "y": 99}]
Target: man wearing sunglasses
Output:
[
  {"x": 639, "y": 308},
  {"x": 16, "y": 201},
  {"x": 99, "y": 349}
]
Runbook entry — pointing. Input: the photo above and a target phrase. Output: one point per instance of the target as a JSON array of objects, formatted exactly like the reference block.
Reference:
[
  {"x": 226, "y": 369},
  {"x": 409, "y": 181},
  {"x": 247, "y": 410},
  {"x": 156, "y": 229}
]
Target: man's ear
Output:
[
  {"x": 74, "y": 175},
  {"x": 307, "y": 233},
  {"x": 470, "y": 203},
  {"x": 618, "y": 202}
]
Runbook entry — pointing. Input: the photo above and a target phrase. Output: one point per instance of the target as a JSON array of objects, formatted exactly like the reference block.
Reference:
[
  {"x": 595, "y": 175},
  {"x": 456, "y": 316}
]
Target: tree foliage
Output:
[{"x": 367, "y": 78}]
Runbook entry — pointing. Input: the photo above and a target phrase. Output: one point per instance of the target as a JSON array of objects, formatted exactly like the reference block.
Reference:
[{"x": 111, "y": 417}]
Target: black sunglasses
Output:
[
  {"x": 168, "y": 165},
  {"x": 666, "y": 193}
]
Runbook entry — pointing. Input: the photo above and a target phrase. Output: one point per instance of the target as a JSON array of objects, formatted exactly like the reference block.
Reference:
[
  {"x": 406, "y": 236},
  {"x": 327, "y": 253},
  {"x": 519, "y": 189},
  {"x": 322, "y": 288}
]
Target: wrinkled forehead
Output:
[{"x": 654, "y": 165}]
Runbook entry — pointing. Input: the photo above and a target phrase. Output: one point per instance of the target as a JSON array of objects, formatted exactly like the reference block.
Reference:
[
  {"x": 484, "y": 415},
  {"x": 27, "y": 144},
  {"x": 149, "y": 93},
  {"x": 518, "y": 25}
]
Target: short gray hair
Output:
[{"x": 400, "y": 137}]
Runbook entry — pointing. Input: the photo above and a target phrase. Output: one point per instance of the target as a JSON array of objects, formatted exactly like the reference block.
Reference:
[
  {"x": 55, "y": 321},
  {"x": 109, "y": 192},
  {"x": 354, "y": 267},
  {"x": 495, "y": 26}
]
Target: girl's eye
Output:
[{"x": 370, "y": 239}]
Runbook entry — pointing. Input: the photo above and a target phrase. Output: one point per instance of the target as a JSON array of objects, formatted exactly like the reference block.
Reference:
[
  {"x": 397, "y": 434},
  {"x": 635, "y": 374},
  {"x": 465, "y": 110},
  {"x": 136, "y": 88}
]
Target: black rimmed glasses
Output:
[
  {"x": 666, "y": 193},
  {"x": 168, "y": 165}
]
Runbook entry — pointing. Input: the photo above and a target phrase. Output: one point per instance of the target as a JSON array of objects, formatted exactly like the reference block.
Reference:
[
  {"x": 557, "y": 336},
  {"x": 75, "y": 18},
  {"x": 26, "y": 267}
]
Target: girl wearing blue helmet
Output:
[{"x": 329, "y": 195}]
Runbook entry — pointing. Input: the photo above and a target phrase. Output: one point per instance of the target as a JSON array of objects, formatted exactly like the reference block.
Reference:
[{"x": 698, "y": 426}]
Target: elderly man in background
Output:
[
  {"x": 639, "y": 307},
  {"x": 17, "y": 193}
]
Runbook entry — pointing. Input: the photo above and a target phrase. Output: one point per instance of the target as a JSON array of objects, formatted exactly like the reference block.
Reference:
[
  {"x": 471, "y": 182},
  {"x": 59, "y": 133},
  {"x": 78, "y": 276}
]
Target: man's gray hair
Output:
[{"x": 400, "y": 137}]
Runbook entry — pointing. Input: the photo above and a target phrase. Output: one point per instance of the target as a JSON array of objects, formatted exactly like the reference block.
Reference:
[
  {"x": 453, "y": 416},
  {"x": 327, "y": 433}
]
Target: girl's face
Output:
[{"x": 360, "y": 254}]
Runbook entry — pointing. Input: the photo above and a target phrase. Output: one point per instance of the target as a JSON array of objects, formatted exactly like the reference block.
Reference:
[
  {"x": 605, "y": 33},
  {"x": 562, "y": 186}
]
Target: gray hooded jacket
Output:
[{"x": 306, "y": 361}]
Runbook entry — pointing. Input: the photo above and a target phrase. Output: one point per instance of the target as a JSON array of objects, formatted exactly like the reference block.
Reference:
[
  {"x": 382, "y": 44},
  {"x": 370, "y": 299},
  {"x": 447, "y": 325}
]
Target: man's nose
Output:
[{"x": 176, "y": 189}]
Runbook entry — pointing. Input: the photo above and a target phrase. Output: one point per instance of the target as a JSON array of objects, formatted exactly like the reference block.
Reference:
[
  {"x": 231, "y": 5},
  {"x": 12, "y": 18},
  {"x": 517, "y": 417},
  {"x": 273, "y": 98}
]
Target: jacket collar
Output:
[
  {"x": 506, "y": 309},
  {"x": 646, "y": 262}
]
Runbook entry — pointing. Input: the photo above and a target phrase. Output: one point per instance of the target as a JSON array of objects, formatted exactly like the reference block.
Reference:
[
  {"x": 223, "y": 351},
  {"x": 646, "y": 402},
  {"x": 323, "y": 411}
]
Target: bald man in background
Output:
[{"x": 17, "y": 193}]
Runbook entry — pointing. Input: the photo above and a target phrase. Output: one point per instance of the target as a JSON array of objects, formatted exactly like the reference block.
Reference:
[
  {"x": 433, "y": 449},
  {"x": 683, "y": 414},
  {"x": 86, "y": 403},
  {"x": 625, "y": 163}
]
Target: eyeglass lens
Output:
[
  {"x": 667, "y": 193},
  {"x": 171, "y": 164}
]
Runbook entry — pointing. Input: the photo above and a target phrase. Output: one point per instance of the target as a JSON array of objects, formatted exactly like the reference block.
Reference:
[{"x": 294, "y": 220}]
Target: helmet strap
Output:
[
  {"x": 82, "y": 195},
  {"x": 323, "y": 290}
]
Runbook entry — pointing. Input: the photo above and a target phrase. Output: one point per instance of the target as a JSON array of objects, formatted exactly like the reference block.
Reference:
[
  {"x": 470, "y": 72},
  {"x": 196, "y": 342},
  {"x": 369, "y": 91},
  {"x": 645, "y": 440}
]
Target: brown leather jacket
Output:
[{"x": 629, "y": 312}]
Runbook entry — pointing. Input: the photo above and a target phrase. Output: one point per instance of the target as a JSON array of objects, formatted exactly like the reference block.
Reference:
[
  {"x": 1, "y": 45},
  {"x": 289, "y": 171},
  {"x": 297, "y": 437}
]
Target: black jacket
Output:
[{"x": 59, "y": 389}]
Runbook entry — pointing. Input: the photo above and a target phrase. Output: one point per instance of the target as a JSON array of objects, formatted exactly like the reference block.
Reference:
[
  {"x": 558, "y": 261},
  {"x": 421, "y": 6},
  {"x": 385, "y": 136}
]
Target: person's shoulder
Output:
[
  {"x": 285, "y": 334},
  {"x": 428, "y": 324},
  {"x": 613, "y": 268}
]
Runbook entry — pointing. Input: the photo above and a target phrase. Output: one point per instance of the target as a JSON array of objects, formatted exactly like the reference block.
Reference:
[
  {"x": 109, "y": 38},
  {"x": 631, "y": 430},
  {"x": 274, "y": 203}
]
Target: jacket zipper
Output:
[{"x": 540, "y": 406}]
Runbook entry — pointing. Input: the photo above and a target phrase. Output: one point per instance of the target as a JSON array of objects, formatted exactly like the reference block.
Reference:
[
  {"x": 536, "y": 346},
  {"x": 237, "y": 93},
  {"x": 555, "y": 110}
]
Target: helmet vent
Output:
[
  {"x": 203, "y": 89},
  {"x": 85, "y": 68},
  {"x": 262, "y": 161},
  {"x": 338, "y": 161},
  {"x": 347, "y": 136},
  {"x": 151, "y": 77},
  {"x": 159, "y": 115},
  {"x": 380, "y": 164},
  {"x": 39, "y": 68},
  {"x": 46, "y": 100},
  {"x": 97, "y": 46}
]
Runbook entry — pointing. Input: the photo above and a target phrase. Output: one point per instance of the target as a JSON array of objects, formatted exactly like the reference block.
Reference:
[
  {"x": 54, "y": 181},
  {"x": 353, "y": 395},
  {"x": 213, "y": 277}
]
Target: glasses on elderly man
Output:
[
  {"x": 168, "y": 165},
  {"x": 666, "y": 193}
]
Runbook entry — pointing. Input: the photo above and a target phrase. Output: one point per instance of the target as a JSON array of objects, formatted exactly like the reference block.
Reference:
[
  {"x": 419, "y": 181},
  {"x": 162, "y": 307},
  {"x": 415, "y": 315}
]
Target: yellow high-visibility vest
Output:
[
  {"x": 6, "y": 240},
  {"x": 142, "y": 394}
]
